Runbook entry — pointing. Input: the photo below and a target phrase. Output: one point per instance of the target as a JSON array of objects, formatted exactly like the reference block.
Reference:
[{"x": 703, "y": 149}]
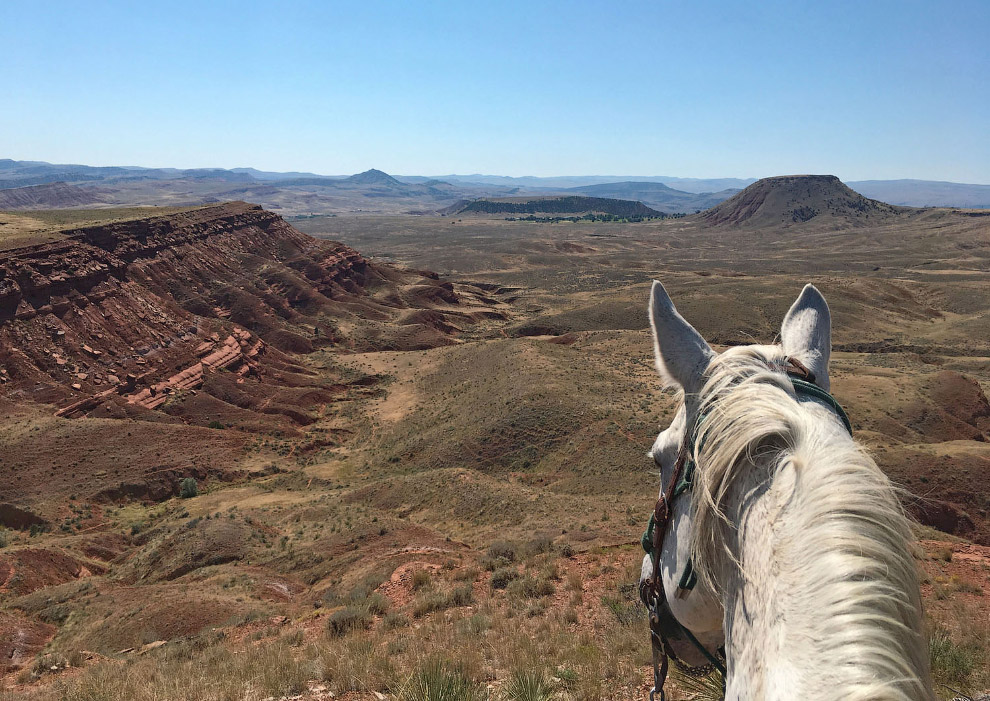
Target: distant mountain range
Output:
[
  {"x": 690, "y": 185},
  {"x": 36, "y": 184},
  {"x": 924, "y": 193}
]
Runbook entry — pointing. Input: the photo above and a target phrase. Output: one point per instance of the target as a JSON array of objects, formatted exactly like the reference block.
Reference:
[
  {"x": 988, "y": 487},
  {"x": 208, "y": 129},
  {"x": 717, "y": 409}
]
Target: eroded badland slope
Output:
[{"x": 183, "y": 322}]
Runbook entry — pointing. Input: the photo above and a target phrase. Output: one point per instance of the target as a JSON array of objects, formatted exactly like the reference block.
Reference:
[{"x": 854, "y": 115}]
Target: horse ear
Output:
[
  {"x": 682, "y": 355},
  {"x": 806, "y": 333}
]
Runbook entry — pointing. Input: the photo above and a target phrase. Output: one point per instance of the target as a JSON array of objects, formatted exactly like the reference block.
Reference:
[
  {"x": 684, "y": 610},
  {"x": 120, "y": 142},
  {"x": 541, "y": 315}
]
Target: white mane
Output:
[{"x": 845, "y": 587}]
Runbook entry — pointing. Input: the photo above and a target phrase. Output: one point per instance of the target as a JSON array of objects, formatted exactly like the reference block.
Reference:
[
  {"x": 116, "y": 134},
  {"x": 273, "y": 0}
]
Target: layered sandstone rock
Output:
[{"x": 135, "y": 312}]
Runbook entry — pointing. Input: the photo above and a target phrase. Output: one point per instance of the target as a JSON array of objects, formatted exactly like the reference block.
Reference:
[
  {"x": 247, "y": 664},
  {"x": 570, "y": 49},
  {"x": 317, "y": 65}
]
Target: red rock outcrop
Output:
[{"x": 132, "y": 313}]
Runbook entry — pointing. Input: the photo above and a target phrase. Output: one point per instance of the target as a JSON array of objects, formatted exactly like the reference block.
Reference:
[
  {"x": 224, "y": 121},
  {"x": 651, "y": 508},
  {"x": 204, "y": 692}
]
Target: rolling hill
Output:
[
  {"x": 656, "y": 195},
  {"x": 57, "y": 195}
]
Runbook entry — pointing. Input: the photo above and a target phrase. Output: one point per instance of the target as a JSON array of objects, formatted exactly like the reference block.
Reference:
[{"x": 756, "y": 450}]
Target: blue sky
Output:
[{"x": 866, "y": 89}]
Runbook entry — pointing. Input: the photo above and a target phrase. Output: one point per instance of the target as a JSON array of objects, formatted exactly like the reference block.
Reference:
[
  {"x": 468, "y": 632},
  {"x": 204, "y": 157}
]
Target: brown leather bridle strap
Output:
[
  {"x": 661, "y": 513},
  {"x": 653, "y": 586},
  {"x": 798, "y": 369}
]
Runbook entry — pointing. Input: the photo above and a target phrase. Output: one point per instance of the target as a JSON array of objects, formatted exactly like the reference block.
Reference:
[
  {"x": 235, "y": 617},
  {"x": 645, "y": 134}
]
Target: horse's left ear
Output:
[{"x": 806, "y": 333}]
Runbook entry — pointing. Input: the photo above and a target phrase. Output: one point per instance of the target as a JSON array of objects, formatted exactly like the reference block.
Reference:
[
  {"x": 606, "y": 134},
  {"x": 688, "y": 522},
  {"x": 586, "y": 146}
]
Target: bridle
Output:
[{"x": 667, "y": 634}]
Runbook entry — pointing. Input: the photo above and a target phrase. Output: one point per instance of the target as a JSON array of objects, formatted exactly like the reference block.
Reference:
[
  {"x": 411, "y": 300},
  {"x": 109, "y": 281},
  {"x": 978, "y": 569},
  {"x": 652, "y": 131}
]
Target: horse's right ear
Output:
[
  {"x": 806, "y": 333},
  {"x": 682, "y": 355}
]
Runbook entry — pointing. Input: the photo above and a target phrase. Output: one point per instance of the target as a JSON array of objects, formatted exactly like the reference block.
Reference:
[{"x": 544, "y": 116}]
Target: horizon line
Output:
[{"x": 488, "y": 175}]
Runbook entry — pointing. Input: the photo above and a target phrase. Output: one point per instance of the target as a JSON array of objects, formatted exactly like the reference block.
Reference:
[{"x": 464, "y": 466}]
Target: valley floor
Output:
[{"x": 468, "y": 515}]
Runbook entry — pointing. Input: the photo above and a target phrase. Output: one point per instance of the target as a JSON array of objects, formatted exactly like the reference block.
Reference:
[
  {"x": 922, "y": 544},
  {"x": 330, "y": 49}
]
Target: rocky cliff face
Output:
[{"x": 122, "y": 316}]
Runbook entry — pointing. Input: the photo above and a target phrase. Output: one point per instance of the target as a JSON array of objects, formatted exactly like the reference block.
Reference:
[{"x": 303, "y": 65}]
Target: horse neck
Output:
[{"x": 820, "y": 590}]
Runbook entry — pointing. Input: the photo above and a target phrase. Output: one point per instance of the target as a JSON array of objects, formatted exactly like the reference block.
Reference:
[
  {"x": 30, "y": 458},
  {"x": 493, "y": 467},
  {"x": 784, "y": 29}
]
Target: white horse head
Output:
[{"x": 800, "y": 548}]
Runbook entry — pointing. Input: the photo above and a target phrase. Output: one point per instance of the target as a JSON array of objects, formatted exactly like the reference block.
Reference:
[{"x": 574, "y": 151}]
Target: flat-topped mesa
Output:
[
  {"x": 143, "y": 238},
  {"x": 789, "y": 200},
  {"x": 137, "y": 310},
  {"x": 92, "y": 262}
]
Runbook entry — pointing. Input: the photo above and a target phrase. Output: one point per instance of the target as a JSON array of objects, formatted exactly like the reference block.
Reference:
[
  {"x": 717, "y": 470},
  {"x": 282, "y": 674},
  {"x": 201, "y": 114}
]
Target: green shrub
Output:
[
  {"x": 440, "y": 601},
  {"x": 501, "y": 577},
  {"x": 468, "y": 574},
  {"x": 538, "y": 546},
  {"x": 421, "y": 579},
  {"x": 461, "y": 596},
  {"x": 4, "y": 538},
  {"x": 347, "y": 619},
  {"x": 537, "y": 608},
  {"x": 217, "y": 424},
  {"x": 952, "y": 663},
  {"x": 531, "y": 587},
  {"x": 430, "y": 602},
  {"x": 395, "y": 620},
  {"x": 500, "y": 554},
  {"x": 567, "y": 676},
  {"x": 188, "y": 488},
  {"x": 473, "y": 625},
  {"x": 626, "y": 612},
  {"x": 503, "y": 549},
  {"x": 377, "y": 603},
  {"x": 294, "y": 639}
]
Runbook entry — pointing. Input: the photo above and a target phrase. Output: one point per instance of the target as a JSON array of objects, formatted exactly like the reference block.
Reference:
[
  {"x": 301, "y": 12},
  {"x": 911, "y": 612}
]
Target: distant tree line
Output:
[
  {"x": 565, "y": 205},
  {"x": 594, "y": 217}
]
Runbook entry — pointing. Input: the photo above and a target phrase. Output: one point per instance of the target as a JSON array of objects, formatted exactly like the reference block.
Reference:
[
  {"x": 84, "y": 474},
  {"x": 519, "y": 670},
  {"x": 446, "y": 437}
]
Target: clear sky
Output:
[{"x": 864, "y": 89}]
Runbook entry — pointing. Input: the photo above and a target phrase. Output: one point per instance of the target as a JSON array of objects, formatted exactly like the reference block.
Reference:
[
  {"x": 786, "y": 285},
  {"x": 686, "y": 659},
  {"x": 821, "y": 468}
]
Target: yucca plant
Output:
[
  {"x": 528, "y": 686},
  {"x": 436, "y": 681},
  {"x": 707, "y": 688}
]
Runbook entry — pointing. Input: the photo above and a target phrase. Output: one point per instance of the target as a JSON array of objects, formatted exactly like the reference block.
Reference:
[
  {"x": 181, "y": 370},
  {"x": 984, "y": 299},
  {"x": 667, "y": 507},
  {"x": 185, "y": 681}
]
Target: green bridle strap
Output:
[{"x": 812, "y": 390}]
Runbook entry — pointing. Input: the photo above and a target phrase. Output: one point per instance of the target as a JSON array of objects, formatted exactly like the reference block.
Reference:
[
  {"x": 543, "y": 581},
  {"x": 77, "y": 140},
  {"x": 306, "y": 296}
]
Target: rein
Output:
[{"x": 666, "y": 632}]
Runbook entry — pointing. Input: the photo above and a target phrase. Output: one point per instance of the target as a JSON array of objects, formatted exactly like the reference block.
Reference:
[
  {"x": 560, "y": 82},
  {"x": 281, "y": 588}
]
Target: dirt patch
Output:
[
  {"x": 21, "y": 638},
  {"x": 958, "y": 575},
  {"x": 103, "y": 546},
  {"x": 14, "y": 517},
  {"x": 963, "y": 398},
  {"x": 399, "y": 586},
  {"x": 29, "y": 569}
]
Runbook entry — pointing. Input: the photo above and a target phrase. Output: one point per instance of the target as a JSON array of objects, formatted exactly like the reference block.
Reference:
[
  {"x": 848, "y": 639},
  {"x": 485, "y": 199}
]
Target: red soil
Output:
[{"x": 29, "y": 569}]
